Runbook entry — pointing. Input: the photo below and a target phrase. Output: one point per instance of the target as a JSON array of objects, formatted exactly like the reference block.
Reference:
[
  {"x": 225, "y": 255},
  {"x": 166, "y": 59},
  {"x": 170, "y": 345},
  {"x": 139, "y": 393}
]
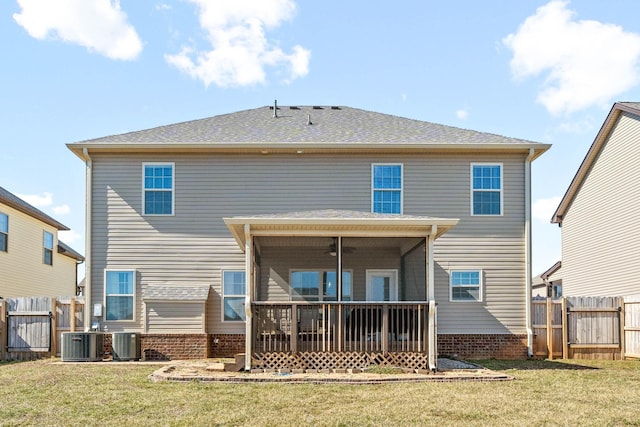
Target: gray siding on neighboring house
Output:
[
  {"x": 194, "y": 245},
  {"x": 600, "y": 230}
]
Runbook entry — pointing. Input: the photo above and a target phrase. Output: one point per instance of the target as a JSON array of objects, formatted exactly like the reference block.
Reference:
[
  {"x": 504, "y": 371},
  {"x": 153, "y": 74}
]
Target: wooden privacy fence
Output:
[
  {"x": 31, "y": 327},
  {"x": 587, "y": 327}
]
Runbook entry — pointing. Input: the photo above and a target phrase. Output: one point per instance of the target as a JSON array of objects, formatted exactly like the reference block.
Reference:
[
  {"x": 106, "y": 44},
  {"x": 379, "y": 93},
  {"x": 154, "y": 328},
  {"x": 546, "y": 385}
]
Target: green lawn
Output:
[{"x": 544, "y": 393}]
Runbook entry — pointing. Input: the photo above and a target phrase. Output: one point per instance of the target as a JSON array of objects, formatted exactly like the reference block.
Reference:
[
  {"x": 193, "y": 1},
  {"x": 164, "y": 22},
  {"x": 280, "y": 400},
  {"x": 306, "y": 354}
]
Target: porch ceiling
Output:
[{"x": 338, "y": 223}]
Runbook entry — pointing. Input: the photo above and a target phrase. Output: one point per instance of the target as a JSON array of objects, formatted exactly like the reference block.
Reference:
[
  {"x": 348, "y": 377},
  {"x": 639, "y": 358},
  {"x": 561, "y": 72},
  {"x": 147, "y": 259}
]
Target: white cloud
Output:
[
  {"x": 98, "y": 25},
  {"x": 163, "y": 6},
  {"x": 240, "y": 51},
  {"x": 39, "y": 201},
  {"x": 585, "y": 62},
  {"x": 543, "y": 209},
  {"x": 61, "y": 210},
  {"x": 580, "y": 127},
  {"x": 69, "y": 237},
  {"x": 462, "y": 113}
]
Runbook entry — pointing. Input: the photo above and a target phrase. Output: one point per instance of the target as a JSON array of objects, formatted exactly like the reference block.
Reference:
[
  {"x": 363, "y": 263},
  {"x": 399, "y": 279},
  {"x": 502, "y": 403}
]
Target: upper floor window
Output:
[
  {"x": 466, "y": 285},
  {"x": 48, "y": 248},
  {"x": 158, "y": 188},
  {"x": 4, "y": 232},
  {"x": 233, "y": 296},
  {"x": 386, "y": 188},
  {"x": 119, "y": 294},
  {"x": 486, "y": 189}
]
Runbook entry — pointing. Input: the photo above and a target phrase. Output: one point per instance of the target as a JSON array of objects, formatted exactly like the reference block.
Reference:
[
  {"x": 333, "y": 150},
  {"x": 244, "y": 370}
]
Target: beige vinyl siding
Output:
[
  {"x": 600, "y": 230},
  {"x": 23, "y": 272},
  {"x": 194, "y": 245},
  {"x": 275, "y": 280},
  {"x": 171, "y": 317}
]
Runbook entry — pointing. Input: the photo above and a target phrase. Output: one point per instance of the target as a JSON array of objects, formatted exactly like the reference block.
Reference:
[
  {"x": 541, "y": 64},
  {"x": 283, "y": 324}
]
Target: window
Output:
[
  {"x": 119, "y": 294},
  {"x": 233, "y": 294},
  {"x": 158, "y": 188},
  {"x": 386, "y": 188},
  {"x": 486, "y": 189},
  {"x": 466, "y": 285},
  {"x": 307, "y": 285},
  {"x": 4, "y": 232},
  {"x": 48, "y": 248}
]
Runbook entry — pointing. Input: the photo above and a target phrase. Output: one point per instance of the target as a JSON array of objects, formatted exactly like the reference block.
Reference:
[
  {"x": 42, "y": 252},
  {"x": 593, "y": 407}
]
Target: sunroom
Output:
[{"x": 336, "y": 289}]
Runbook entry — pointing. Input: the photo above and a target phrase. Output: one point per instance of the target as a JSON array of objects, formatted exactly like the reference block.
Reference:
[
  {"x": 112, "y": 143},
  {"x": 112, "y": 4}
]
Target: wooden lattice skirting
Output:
[{"x": 335, "y": 360}]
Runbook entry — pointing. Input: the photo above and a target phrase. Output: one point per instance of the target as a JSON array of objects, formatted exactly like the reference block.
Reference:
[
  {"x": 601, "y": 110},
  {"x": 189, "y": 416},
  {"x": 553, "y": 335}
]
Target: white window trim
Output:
[
  {"x": 44, "y": 248},
  {"x": 173, "y": 187},
  {"x": 472, "y": 190},
  {"x": 373, "y": 189},
  {"x": 6, "y": 234},
  {"x": 104, "y": 297},
  {"x": 480, "y": 285},
  {"x": 319, "y": 271},
  {"x": 393, "y": 289},
  {"x": 231, "y": 270}
]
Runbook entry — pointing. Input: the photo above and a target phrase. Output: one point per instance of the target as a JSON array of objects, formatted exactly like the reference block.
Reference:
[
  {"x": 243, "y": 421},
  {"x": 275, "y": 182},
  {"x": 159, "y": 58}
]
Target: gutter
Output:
[
  {"x": 527, "y": 249},
  {"x": 88, "y": 234}
]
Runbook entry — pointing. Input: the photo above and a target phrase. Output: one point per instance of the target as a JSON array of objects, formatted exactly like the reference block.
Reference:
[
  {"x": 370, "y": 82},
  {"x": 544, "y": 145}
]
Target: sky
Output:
[{"x": 545, "y": 71}]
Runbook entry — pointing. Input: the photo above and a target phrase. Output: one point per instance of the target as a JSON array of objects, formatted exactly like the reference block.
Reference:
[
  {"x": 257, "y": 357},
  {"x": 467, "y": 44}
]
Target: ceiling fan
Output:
[{"x": 333, "y": 251}]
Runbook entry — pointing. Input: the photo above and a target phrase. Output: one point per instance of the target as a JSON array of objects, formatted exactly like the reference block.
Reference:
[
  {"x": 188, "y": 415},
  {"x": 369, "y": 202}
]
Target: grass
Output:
[{"x": 544, "y": 393}]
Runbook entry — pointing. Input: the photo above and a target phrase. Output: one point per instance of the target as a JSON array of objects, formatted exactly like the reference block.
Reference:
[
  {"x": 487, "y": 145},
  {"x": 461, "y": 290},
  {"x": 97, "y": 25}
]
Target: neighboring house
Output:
[
  {"x": 599, "y": 212},
  {"x": 548, "y": 283},
  {"x": 326, "y": 231},
  {"x": 33, "y": 262}
]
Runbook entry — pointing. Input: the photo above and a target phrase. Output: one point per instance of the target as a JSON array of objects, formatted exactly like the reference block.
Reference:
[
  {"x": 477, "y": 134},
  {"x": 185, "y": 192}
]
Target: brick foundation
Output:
[
  {"x": 174, "y": 346},
  {"x": 226, "y": 345},
  {"x": 483, "y": 346},
  {"x": 201, "y": 346}
]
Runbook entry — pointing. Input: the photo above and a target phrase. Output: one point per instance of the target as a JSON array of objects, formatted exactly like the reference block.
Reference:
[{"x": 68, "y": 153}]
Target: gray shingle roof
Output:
[
  {"x": 328, "y": 125},
  {"x": 337, "y": 214},
  {"x": 633, "y": 105},
  {"x": 159, "y": 292},
  {"x": 65, "y": 249},
  {"x": 17, "y": 203}
]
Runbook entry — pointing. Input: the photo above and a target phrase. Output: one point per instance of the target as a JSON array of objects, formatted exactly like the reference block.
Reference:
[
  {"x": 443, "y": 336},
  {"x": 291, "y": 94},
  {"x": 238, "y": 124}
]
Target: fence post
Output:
[
  {"x": 72, "y": 315},
  {"x": 622, "y": 320},
  {"x": 549, "y": 328},
  {"x": 3, "y": 329},
  {"x": 54, "y": 327},
  {"x": 565, "y": 331}
]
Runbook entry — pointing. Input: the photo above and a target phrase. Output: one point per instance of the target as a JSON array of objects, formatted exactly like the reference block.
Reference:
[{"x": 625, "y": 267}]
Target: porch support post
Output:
[
  {"x": 248, "y": 266},
  {"x": 339, "y": 285},
  {"x": 431, "y": 297}
]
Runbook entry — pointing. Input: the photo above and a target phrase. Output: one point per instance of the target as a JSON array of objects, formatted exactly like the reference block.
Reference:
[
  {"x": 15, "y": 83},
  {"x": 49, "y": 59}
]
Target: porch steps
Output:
[{"x": 236, "y": 366}]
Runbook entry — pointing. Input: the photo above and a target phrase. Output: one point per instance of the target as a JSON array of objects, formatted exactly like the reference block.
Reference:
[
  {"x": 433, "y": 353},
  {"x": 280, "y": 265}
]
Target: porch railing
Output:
[{"x": 340, "y": 327}]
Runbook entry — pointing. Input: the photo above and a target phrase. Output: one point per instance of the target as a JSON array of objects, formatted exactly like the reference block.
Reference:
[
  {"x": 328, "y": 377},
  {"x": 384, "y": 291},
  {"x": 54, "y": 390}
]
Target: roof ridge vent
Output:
[{"x": 317, "y": 107}]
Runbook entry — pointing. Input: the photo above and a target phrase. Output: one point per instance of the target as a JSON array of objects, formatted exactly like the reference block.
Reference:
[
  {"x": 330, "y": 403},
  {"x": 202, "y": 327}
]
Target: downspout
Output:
[
  {"x": 431, "y": 297},
  {"x": 527, "y": 248},
  {"x": 88, "y": 310}
]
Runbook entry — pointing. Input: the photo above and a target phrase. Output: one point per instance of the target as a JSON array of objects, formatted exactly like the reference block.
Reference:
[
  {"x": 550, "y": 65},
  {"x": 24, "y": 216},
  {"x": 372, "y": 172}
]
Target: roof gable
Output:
[
  {"x": 294, "y": 126},
  {"x": 596, "y": 147}
]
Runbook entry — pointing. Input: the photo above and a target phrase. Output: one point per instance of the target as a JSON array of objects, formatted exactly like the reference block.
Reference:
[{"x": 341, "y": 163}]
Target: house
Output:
[
  {"x": 600, "y": 259},
  {"x": 548, "y": 283},
  {"x": 311, "y": 236},
  {"x": 33, "y": 261}
]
